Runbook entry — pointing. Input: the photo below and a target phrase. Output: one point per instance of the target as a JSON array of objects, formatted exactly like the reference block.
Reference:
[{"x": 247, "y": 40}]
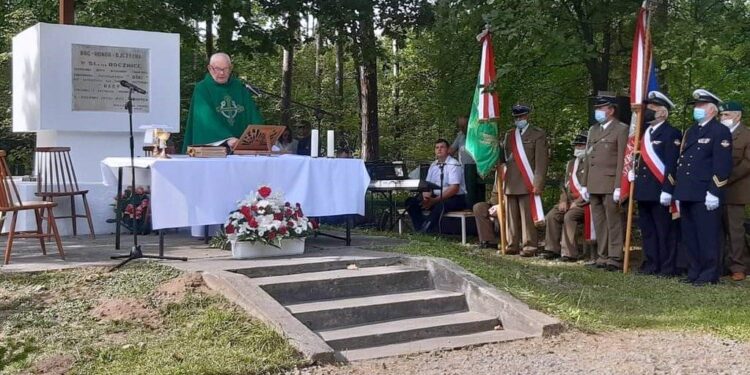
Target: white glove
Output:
[
  {"x": 585, "y": 194},
  {"x": 712, "y": 201},
  {"x": 616, "y": 195},
  {"x": 631, "y": 176},
  {"x": 665, "y": 198},
  {"x": 493, "y": 210}
]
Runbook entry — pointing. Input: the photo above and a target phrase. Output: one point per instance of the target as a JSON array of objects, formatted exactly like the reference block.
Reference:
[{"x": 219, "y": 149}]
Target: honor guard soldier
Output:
[
  {"x": 526, "y": 162},
  {"x": 702, "y": 173},
  {"x": 654, "y": 186},
  {"x": 605, "y": 154},
  {"x": 562, "y": 220},
  {"x": 738, "y": 191}
]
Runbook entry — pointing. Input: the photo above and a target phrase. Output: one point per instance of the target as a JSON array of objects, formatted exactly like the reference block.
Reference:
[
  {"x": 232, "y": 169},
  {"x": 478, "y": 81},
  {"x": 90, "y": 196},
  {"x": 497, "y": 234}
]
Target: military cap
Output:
[
  {"x": 604, "y": 100},
  {"x": 731, "y": 107},
  {"x": 656, "y": 97},
  {"x": 704, "y": 96},
  {"x": 520, "y": 110},
  {"x": 580, "y": 139}
]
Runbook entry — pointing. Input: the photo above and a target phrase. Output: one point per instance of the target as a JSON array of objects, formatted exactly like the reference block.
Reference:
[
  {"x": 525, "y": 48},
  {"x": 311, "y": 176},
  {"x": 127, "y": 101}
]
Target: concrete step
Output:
[
  {"x": 292, "y": 266},
  {"x": 402, "y": 330},
  {"x": 314, "y": 286},
  {"x": 329, "y": 314},
  {"x": 431, "y": 344}
]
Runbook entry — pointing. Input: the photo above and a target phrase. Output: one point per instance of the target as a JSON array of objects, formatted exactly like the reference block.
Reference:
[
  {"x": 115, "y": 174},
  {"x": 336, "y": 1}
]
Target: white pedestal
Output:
[{"x": 250, "y": 250}]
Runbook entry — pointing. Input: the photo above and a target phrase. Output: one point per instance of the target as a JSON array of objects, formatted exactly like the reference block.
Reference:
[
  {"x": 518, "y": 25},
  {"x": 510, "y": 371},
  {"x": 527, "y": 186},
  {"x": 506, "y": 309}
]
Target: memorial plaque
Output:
[{"x": 97, "y": 72}]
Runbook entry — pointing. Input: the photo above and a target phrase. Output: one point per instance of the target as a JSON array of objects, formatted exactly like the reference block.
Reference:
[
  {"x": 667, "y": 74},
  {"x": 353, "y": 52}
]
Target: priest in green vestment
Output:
[{"x": 221, "y": 107}]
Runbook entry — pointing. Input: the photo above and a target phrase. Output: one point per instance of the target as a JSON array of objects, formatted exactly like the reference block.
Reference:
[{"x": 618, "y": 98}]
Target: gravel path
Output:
[{"x": 621, "y": 352}]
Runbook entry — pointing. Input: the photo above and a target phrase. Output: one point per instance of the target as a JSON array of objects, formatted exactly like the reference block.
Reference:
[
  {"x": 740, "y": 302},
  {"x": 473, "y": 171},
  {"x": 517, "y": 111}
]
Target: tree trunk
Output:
[
  {"x": 67, "y": 13},
  {"x": 286, "y": 71},
  {"x": 339, "y": 81},
  {"x": 226, "y": 27},
  {"x": 209, "y": 34},
  {"x": 396, "y": 91},
  {"x": 318, "y": 67},
  {"x": 368, "y": 77}
]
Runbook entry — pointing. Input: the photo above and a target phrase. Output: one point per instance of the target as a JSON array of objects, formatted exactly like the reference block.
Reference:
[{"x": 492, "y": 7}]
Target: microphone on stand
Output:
[
  {"x": 254, "y": 90},
  {"x": 133, "y": 87}
]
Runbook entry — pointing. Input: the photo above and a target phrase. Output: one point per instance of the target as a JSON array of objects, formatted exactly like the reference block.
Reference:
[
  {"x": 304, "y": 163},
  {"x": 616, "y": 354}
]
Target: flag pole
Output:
[
  {"x": 501, "y": 208},
  {"x": 636, "y": 109}
]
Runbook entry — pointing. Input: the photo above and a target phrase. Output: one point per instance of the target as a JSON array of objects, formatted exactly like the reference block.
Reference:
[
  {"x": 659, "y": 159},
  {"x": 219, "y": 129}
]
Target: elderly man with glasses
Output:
[{"x": 221, "y": 107}]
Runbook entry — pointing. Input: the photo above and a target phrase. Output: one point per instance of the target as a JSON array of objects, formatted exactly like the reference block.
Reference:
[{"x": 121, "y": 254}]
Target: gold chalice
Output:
[{"x": 163, "y": 136}]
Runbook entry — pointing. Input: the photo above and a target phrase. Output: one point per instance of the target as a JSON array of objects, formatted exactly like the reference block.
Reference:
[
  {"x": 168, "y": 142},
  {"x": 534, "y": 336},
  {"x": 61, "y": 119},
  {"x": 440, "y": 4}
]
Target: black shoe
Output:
[
  {"x": 487, "y": 245},
  {"x": 549, "y": 255},
  {"x": 425, "y": 227},
  {"x": 613, "y": 268},
  {"x": 595, "y": 265},
  {"x": 527, "y": 253},
  {"x": 686, "y": 280},
  {"x": 567, "y": 259},
  {"x": 704, "y": 283}
]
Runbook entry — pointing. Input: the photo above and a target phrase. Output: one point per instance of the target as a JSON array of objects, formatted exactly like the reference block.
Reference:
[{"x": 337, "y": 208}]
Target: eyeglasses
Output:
[{"x": 220, "y": 70}]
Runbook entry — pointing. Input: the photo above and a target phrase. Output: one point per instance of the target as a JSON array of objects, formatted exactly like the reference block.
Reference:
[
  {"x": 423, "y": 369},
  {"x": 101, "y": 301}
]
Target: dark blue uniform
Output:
[
  {"x": 704, "y": 166},
  {"x": 659, "y": 231}
]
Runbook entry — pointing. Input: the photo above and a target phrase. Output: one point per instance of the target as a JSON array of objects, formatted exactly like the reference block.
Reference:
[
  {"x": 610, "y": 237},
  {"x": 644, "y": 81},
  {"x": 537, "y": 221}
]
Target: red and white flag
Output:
[
  {"x": 640, "y": 73},
  {"x": 527, "y": 174},
  {"x": 589, "y": 234},
  {"x": 656, "y": 166}
]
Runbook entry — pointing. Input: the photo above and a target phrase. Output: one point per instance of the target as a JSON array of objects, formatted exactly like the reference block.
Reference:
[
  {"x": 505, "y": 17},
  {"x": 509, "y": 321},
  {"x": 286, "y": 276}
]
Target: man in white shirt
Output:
[{"x": 447, "y": 173}]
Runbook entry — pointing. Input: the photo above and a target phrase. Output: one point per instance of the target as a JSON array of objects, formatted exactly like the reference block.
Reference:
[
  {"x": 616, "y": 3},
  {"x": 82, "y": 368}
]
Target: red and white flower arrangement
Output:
[{"x": 264, "y": 216}]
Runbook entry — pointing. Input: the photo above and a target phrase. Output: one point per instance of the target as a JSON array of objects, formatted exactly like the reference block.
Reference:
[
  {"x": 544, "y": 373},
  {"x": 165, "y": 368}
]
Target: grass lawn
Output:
[
  {"x": 62, "y": 320},
  {"x": 595, "y": 300}
]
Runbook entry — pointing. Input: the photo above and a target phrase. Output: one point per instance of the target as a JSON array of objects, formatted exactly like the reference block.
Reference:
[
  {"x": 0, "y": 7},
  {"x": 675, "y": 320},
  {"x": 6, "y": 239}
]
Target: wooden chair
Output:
[
  {"x": 11, "y": 204},
  {"x": 56, "y": 178}
]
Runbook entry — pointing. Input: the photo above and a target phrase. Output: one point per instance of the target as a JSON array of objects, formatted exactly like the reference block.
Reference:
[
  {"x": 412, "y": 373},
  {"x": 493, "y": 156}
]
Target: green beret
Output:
[{"x": 731, "y": 107}]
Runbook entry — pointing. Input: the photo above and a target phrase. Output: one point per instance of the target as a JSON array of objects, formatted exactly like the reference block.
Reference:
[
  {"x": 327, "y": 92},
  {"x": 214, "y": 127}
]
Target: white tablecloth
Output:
[{"x": 195, "y": 191}]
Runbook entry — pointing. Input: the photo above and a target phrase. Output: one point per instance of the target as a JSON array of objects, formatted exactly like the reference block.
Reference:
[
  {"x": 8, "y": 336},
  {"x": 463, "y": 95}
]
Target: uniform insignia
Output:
[
  {"x": 725, "y": 143},
  {"x": 671, "y": 179},
  {"x": 719, "y": 183},
  {"x": 656, "y": 142},
  {"x": 677, "y": 142},
  {"x": 704, "y": 140}
]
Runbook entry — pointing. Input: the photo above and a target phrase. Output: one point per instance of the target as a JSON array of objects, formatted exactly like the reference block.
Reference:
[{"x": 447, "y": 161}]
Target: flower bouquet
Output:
[
  {"x": 265, "y": 225},
  {"x": 133, "y": 205}
]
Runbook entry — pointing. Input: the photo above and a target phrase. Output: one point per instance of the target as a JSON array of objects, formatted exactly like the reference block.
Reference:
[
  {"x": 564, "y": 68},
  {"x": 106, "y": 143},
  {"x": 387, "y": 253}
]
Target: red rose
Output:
[
  {"x": 229, "y": 229},
  {"x": 290, "y": 224},
  {"x": 252, "y": 223},
  {"x": 288, "y": 212},
  {"x": 264, "y": 191},
  {"x": 271, "y": 236},
  {"x": 278, "y": 216},
  {"x": 245, "y": 211},
  {"x": 282, "y": 231},
  {"x": 254, "y": 208}
]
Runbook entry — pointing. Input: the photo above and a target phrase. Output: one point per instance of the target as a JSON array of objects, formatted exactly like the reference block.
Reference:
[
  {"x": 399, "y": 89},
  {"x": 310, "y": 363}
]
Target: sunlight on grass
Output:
[{"x": 594, "y": 300}]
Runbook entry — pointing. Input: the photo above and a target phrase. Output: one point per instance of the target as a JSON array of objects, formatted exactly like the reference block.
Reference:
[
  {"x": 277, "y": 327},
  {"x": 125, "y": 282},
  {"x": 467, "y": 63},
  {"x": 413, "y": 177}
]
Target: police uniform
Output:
[
  {"x": 702, "y": 172},
  {"x": 522, "y": 231},
  {"x": 658, "y": 230},
  {"x": 560, "y": 234},
  {"x": 605, "y": 153},
  {"x": 737, "y": 198}
]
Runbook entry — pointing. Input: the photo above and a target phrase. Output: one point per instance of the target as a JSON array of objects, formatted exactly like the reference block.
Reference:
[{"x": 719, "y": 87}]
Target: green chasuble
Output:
[{"x": 219, "y": 111}]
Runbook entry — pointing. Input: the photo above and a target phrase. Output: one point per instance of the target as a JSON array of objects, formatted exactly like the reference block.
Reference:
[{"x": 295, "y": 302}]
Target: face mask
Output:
[
  {"x": 649, "y": 115},
  {"x": 579, "y": 153},
  {"x": 600, "y": 116},
  {"x": 699, "y": 114},
  {"x": 728, "y": 122},
  {"x": 521, "y": 124}
]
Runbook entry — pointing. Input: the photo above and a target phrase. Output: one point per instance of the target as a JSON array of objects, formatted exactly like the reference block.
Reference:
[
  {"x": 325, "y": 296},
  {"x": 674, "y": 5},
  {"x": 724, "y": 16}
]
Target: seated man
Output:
[
  {"x": 305, "y": 138},
  {"x": 221, "y": 107},
  {"x": 484, "y": 215},
  {"x": 453, "y": 195},
  {"x": 563, "y": 219}
]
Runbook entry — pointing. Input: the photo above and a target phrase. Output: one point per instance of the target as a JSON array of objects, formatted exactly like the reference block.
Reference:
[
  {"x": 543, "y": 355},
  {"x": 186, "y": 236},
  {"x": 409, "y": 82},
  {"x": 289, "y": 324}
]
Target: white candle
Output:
[
  {"x": 330, "y": 144},
  {"x": 314, "y": 139}
]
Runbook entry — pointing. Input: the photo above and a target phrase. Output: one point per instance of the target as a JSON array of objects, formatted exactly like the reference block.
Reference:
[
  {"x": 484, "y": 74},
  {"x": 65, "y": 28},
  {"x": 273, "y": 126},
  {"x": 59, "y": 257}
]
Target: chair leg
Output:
[
  {"x": 73, "y": 217},
  {"x": 51, "y": 220},
  {"x": 463, "y": 230},
  {"x": 48, "y": 237},
  {"x": 11, "y": 234},
  {"x": 38, "y": 216},
  {"x": 88, "y": 217}
]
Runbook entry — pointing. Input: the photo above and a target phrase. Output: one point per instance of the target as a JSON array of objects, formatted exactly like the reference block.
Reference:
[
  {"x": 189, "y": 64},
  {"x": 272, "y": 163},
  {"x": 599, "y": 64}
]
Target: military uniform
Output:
[
  {"x": 560, "y": 236},
  {"x": 703, "y": 167},
  {"x": 522, "y": 231},
  {"x": 737, "y": 197},
  {"x": 603, "y": 168},
  {"x": 658, "y": 231}
]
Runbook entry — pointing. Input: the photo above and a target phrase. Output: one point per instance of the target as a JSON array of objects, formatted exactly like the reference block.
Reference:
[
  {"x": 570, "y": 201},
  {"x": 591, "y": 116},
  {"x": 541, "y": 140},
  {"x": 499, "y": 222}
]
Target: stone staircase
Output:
[{"x": 377, "y": 307}]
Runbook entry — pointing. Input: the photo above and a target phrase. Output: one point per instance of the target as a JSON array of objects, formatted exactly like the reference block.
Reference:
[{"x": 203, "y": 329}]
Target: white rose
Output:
[{"x": 298, "y": 230}]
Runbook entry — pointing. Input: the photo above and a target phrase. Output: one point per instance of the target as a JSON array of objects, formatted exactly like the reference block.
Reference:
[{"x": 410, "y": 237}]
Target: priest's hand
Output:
[{"x": 232, "y": 141}]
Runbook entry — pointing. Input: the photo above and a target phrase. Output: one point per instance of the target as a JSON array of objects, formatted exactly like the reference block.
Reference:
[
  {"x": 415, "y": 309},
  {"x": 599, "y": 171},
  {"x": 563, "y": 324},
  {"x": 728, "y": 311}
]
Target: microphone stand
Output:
[
  {"x": 135, "y": 251},
  {"x": 442, "y": 203}
]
